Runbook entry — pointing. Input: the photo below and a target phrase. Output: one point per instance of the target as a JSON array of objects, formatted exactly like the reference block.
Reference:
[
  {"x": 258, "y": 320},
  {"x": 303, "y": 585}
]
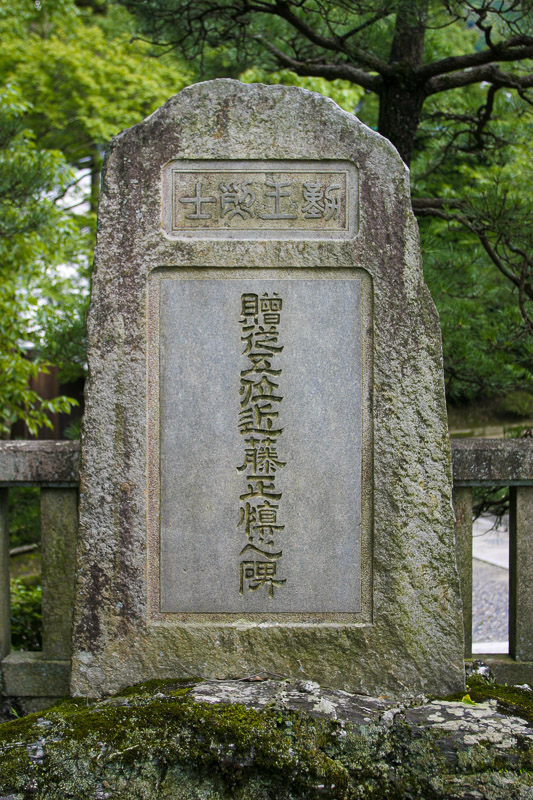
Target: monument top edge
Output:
[{"x": 263, "y": 101}]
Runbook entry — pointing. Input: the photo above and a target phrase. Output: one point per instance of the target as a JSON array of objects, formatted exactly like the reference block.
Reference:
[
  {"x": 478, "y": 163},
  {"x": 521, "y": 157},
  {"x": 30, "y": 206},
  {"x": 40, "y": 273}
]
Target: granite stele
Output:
[{"x": 265, "y": 481}]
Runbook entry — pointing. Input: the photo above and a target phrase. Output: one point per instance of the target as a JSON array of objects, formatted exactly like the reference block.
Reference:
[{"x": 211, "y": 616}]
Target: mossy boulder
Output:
[{"x": 270, "y": 740}]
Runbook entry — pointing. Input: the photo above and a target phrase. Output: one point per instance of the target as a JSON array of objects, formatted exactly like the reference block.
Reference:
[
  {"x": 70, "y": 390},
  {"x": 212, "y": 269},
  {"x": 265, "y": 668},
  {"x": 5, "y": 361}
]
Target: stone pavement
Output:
[{"x": 490, "y": 585}]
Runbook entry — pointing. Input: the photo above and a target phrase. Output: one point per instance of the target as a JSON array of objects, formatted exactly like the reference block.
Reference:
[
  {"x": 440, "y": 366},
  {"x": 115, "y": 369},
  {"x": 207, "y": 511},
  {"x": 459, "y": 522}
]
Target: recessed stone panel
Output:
[
  {"x": 261, "y": 445},
  {"x": 249, "y": 199}
]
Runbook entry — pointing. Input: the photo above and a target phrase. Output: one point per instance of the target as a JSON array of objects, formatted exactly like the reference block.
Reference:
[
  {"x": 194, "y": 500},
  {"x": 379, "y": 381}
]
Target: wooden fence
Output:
[{"x": 53, "y": 466}]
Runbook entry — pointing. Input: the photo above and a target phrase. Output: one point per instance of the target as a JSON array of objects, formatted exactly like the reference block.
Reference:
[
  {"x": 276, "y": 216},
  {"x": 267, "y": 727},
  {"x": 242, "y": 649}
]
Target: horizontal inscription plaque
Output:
[{"x": 258, "y": 199}]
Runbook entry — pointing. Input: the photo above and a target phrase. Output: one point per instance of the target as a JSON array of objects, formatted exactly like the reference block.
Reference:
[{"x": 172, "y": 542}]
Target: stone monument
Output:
[{"x": 265, "y": 478}]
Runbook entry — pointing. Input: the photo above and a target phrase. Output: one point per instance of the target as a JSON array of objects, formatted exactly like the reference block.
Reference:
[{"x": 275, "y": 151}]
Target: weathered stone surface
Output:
[
  {"x": 31, "y": 675},
  {"x": 315, "y": 464},
  {"x": 508, "y": 462},
  {"x": 407, "y": 635},
  {"x": 5, "y": 602},
  {"x": 41, "y": 463},
  {"x": 59, "y": 534},
  {"x": 253, "y": 209},
  {"x": 521, "y": 573},
  {"x": 271, "y": 740},
  {"x": 462, "y": 504}
]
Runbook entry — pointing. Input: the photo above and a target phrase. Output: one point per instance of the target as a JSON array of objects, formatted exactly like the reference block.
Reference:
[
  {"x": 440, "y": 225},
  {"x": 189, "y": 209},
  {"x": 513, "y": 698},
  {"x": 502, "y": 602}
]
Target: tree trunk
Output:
[
  {"x": 401, "y": 98},
  {"x": 399, "y": 115}
]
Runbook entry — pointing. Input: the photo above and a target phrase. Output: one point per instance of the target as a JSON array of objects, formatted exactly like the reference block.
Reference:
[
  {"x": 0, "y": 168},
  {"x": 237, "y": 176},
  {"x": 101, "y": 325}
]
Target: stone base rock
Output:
[{"x": 271, "y": 740}]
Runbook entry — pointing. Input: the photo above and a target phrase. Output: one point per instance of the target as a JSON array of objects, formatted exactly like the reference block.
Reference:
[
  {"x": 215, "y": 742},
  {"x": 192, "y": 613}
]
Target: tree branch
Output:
[
  {"x": 323, "y": 70},
  {"x": 337, "y": 44},
  {"x": 489, "y": 73},
  {"x": 429, "y": 207},
  {"x": 514, "y": 49},
  {"x": 369, "y": 22},
  {"x": 422, "y": 203}
]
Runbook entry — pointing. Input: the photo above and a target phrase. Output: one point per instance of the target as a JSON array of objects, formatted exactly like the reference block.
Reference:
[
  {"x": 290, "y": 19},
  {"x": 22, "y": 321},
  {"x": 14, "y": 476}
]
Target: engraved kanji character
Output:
[
  {"x": 270, "y": 303},
  {"x": 246, "y": 425},
  {"x": 265, "y": 389},
  {"x": 246, "y": 391},
  {"x": 254, "y": 549},
  {"x": 267, "y": 339},
  {"x": 265, "y": 414},
  {"x": 277, "y": 193},
  {"x": 249, "y": 305},
  {"x": 257, "y": 415},
  {"x": 250, "y": 455},
  {"x": 257, "y": 574},
  {"x": 247, "y": 518},
  {"x": 262, "y": 488},
  {"x": 331, "y": 202},
  {"x": 266, "y": 515},
  {"x": 270, "y": 308},
  {"x": 237, "y": 198},
  {"x": 261, "y": 363},
  {"x": 267, "y": 457},
  {"x": 261, "y": 339},
  {"x": 270, "y": 318},
  {"x": 313, "y": 194},
  {"x": 197, "y": 201}
]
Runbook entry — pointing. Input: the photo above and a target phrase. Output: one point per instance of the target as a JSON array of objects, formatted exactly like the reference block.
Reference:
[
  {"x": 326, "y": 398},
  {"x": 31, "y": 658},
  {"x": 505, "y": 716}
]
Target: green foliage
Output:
[
  {"x": 24, "y": 516},
  {"x": 84, "y": 78},
  {"x": 487, "y": 352},
  {"x": 512, "y": 700},
  {"x": 34, "y": 234},
  {"x": 344, "y": 93},
  {"x": 488, "y": 348},
  {"x": 26, "y": 607},
  {"x": 469, "y": 138},
  {"x": 71, "y": 79},
  {"x": 517, "y": 404}
]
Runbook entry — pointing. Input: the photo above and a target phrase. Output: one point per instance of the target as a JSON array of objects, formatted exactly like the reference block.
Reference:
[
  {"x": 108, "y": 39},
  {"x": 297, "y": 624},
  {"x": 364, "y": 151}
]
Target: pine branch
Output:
[
  {"x": 324, "y": 70},
  {"x": 489, "y": 73}
]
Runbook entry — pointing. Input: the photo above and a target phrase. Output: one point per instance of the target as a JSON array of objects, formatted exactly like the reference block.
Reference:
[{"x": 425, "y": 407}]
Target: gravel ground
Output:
[{"x": 490, "y": 602}]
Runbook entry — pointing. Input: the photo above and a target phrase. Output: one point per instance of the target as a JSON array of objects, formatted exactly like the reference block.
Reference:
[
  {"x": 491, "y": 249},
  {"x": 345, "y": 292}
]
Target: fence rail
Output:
[
  {"x": 495, "y": 463},
  {"x": 53, "y": 466}
]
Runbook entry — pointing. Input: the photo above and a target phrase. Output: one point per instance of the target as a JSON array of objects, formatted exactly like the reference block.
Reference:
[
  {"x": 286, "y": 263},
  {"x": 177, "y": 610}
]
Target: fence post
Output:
[
  {"x": 59, "y": 531},
  {"x": 521, "y": 573},
  {"x": 462, "y": 503},
  {"x": 5, "y": 602}
]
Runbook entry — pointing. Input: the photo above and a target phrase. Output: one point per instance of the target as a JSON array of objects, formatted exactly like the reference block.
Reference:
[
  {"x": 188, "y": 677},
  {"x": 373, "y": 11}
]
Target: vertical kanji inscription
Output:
[{"x": 258, "y": 422}]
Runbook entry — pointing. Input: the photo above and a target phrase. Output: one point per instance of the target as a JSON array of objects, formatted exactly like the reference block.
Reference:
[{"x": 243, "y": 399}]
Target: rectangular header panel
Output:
[{"x": 260, "y": 200}]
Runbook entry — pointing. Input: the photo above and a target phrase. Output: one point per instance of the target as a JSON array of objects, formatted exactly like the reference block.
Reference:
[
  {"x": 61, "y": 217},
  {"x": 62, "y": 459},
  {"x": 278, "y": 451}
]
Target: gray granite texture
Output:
[
  {"x": 401, "y": 631},
  {"x": 210, "y": 446}
]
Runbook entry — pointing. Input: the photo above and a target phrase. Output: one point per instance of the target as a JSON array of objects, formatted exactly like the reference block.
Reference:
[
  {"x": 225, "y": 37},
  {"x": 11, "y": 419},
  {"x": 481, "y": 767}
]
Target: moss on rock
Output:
[{"x": 157, "y": 741}]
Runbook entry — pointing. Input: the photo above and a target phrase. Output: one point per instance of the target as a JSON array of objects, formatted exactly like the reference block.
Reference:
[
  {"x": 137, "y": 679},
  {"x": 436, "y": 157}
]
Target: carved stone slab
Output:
[
  {"x": 251, "y": 425},
  {"x": 265, "y": 475},
  {"x": 281, "y": 199}
]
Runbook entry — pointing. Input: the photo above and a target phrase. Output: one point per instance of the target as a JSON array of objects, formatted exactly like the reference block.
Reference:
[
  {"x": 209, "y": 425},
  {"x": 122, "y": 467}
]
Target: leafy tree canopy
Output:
[
  {"x": 449, "y": 83},
  {"x": 82, "y": 76},
  {"x": 33, "y": 233},
  {"x": 69, "y": 80},
  {"x": 391, "y": 49}
]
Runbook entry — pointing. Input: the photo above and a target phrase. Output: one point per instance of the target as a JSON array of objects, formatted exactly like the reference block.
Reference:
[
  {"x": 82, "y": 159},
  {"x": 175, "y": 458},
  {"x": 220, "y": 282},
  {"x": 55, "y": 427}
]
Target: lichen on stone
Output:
[{"x": 268, "y": 741}]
